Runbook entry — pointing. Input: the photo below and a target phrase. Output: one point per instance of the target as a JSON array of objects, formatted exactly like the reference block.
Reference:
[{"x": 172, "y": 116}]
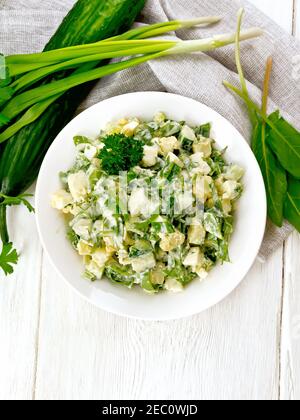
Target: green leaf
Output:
[
  {"x": 120, "y": 274},
  {"x": 3, "y": 120},
  {"x": 31, "y": 115},
  {"x": 273, "y": 173},
  {"x": 181, "y": 274},
  {"x": 147, "y": 285},
  {"x": 204, "y": 130},
  {"x": 17, "y": 201},
  {"x": 8, "y": 258},
  {"x": 73, "y": 238},
  {"x": 223, "y": 250},
  {"x": 187, "y": 145},
  {"x": 5, "y": 94},
  {"x": 284, "y": 140},
  {"x": 292, "y": 203},
  {"x": 5, "y": 82},
  {"x": 213, "y": 225},
  {"x": 81, "y": 140}
]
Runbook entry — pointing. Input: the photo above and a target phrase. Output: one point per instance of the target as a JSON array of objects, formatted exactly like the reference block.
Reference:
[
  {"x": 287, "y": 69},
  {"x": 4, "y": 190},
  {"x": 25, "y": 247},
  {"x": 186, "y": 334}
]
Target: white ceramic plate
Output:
[{"x": 197, "y": 297}]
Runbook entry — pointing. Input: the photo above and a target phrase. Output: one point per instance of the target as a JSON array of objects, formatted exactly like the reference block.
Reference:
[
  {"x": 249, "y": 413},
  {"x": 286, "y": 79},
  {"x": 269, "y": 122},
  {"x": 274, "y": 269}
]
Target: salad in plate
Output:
[{"x": 150, "y": 203}]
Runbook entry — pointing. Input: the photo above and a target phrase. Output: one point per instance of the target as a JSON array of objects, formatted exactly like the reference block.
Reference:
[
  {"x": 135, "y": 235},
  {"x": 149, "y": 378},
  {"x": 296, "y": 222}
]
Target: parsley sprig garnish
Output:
[
  {"x": 120, "y": 153},
  {"x": 8, "y": 258}
]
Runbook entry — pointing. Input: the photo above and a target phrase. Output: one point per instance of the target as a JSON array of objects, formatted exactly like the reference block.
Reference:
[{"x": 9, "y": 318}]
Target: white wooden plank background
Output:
[{"x": 53, "y": 345}]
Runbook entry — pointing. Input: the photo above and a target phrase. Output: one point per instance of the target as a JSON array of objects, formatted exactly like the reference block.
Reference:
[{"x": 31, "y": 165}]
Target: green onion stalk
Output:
[
  {"x": 19, "y": 65},
  {"x": 37, "y": 99},
  {"x": 254, "y": 110}
]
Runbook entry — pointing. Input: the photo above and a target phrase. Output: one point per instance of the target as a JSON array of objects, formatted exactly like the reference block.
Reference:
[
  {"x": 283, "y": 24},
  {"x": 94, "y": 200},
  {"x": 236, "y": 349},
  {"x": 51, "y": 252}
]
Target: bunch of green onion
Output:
[{"x": 21, "y": 103}]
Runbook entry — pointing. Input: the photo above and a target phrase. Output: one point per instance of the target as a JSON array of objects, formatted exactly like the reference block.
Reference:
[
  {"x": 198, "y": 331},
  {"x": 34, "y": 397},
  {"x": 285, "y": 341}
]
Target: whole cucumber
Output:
[
  {"x": 89, "y": 21},
  {"x": 21, "y": 157}
]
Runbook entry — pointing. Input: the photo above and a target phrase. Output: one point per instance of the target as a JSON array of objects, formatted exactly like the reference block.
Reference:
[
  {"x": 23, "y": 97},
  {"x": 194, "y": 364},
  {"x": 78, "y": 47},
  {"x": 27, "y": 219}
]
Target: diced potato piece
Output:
[
  {"x": 101, "y": 257},
  {"x": 196, "y": 234},
  {"x": 61, "y": 199},
  {"x": 144, "y": 263},
  {"x": 174, "y": 159},
  {"x": 210, "y": 203},
  {"x": 195, "y": 259},
  {"x": 110, "y": 245},
  {"x": 202, "y": 273},
  {"x": 160, "y": 117},
  {"x": 197, "y": 158},
  {"x": 98, "y": 226},
  {"x": 168, "y": 145},
  {"x": 150, "y": 156},
  {"x": 78, "y": 185},
  {"x": 138, "y": 202},
  {"x": 94, "y": 269},
  {"x": 204, "y": 147},
  {"x": 157, "y": 276},
  {"x": 129, "y": 129},
  {"x": 83, "y": 228},
  {"x": 171, "y": 241},
  {"x": 202, "y": 189},
  {"x": 123, "y": 121},
  {"x": 83, "y": 248},
  {"x": 192, "y": 259},
  {"x": 227, "y": 206},
  {"x": 184, "y": 201},
  {"x": 219, "y": 184},
  {"x": 203, "y": 167},
  {"x": 234, "y": 173},
  {"x": 230, "y": 190},
  {"x": 67, "y": 210},
  {"x": 75, "y": 210},
  {"x": 90, "y": 152},
  {"x": 172, "y": 285},
  {"x": 113, "y": 128},
  {"x": 123, "y": 257}
]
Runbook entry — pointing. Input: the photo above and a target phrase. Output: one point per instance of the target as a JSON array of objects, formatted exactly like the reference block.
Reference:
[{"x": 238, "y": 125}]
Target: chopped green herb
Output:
[
  {"x": 204, "y": 130},
  {"x": 73, "y": 238},
  {"x": 81, "y": 140},
  {"x": 120, "y": 274},
  {"x": 120, "y": 153}
]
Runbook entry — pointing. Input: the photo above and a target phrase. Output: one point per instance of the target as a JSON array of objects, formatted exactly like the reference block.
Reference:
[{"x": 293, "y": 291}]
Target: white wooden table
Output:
[{"x": 54, "y": 345}]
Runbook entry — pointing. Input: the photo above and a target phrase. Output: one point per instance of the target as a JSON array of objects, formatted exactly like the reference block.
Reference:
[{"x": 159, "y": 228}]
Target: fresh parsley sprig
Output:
[
  {"x": 8, "y": 258},
  {"x": 120, "y": 153}
]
